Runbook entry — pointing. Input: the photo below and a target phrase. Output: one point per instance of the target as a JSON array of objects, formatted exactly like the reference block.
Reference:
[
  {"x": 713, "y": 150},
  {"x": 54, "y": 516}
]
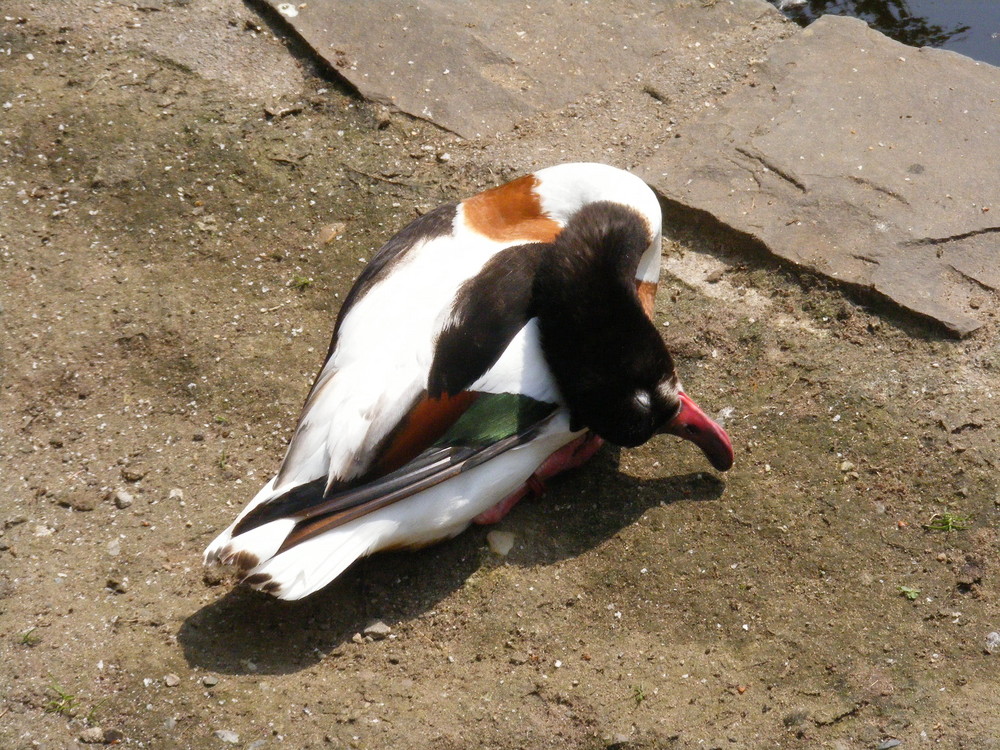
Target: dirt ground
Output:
[{"x": 173, "y": 252}]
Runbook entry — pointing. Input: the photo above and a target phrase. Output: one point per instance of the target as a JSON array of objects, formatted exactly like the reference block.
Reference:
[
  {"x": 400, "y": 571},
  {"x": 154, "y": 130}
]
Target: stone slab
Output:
[
  {"x": 860, "y": 158},
  {"x": 478, "y": 67},
  {"x": 221, "y": 40}
]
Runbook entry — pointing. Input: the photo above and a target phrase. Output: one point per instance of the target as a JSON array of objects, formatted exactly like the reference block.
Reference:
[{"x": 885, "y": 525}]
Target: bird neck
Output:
[{"x": 594, "y": 332}]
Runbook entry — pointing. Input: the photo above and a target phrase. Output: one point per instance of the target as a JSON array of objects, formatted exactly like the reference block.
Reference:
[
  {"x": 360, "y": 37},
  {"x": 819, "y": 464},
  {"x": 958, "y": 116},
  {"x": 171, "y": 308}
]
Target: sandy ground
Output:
[{"x": 175, "y": 243}]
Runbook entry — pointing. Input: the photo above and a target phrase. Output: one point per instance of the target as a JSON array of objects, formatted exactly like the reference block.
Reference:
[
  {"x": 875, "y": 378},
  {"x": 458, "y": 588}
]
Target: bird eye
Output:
[{"x": 643, "y": 400}]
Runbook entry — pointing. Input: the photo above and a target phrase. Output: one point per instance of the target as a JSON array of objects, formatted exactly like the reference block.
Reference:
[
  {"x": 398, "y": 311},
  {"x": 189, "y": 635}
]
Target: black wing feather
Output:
[{"x": 489, "y": 310}]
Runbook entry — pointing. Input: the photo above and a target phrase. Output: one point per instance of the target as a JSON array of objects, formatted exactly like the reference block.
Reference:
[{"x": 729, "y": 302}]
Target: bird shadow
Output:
[{"x": 248, "y": 632}]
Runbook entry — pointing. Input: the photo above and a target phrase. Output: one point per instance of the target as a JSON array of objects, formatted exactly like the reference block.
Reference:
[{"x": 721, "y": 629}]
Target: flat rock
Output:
[
  {"x": 220, "y": 40},
  {"x": 479, "y": 67},
  {"x": 862, "y": 159}
]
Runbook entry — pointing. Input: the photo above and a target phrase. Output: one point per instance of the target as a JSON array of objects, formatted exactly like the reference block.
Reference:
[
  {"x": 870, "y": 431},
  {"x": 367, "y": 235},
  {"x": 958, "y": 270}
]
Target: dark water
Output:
[{"x": 970, "y": 27}]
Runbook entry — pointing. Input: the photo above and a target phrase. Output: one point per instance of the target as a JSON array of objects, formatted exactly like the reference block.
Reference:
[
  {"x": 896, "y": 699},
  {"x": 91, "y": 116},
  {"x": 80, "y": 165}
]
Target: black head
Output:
[
  {"x": 612, "y": 367},
  {"x": 623, "y": 389}
]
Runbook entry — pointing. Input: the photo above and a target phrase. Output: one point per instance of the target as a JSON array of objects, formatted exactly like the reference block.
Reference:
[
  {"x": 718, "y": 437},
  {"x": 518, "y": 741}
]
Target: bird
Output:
[{"x": 489, "y": 345}]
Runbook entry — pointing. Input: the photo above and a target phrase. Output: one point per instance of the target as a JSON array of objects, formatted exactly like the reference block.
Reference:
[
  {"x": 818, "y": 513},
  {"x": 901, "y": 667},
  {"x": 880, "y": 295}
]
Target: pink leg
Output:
[
  {"x": 568, "y": 457},
  {"x": 501, "y": 509}
]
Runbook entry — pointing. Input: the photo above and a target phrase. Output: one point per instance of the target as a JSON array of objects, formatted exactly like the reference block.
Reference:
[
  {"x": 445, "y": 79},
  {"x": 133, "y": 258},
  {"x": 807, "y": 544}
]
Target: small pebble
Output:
[
  {"x": 847, "y": 466},
  {"x": 170, "y": 723},
  {"x": 888, "y": 744},
  {"x": 117, "y": 582},
  {"x": 171, "y": 680},
  {"x": 357, "y": 638},
  {"x": 501, "y": 542},
  {"x": 123, "y": 499},
  {"x": 377, "y": 630},
  {"x": 213, "y": 576},
  {"x": 80, "y": 500},
  {"x": 176, "y": 494},
  {"x": 209, "y": 680},
  {"x": 993, "y": 643},
  {"x": 113, "y": 737},
  {"x": 92, "y": 736},
  {"x": 133, "y": 473},
  {"x": 227, "y": 736}
]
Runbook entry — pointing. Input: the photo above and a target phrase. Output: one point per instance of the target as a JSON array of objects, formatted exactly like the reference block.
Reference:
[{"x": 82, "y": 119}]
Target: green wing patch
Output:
[{"x": 493, "y": 417}]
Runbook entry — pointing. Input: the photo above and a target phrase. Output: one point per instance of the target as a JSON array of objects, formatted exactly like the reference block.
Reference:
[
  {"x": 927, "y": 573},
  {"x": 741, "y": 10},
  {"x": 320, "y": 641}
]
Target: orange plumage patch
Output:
[
  {"x": 510, "y": 213},
  {"x": 647, "y": 296},
  {"x": 426, "y": 422}
]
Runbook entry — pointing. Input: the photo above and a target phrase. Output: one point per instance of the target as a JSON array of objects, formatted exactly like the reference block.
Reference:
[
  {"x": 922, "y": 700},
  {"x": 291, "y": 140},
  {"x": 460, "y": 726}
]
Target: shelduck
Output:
[{"x": 486, "y": 347}]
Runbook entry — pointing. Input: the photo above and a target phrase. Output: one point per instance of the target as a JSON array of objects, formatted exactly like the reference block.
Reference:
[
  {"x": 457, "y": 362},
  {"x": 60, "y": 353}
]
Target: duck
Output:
[{"x": 488, "y": 346}]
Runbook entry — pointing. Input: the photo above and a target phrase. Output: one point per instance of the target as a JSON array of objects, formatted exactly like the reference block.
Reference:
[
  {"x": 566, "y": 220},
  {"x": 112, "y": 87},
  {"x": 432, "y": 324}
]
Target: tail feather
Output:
[
  {"x": 439, "y": 501},
  {"x": 303, "y": 568},
  {"x": 244, "y": 551},
  {"x": 311, "y": 565}
]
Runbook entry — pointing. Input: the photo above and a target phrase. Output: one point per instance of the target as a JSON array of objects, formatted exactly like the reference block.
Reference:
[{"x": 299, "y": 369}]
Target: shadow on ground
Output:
[{"x": 249, "y": 632}]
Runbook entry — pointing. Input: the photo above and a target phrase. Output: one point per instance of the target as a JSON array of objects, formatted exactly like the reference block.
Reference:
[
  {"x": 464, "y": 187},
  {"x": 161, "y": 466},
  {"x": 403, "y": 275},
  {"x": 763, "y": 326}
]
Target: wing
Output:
[
  {"x": 310, "y": 453},
  {"x": 492, "y": 425},
  {"x": 433, "y": 224},
  {"x": 485, "y": 391}
]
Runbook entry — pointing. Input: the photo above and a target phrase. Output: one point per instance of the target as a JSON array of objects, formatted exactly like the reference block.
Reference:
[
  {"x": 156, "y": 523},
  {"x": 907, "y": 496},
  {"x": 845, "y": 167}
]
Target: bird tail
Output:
[
  {"x": 310, "y": 565},
  {"x": 303, "y": 568},
  {"x": 247, "y": 550}
]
